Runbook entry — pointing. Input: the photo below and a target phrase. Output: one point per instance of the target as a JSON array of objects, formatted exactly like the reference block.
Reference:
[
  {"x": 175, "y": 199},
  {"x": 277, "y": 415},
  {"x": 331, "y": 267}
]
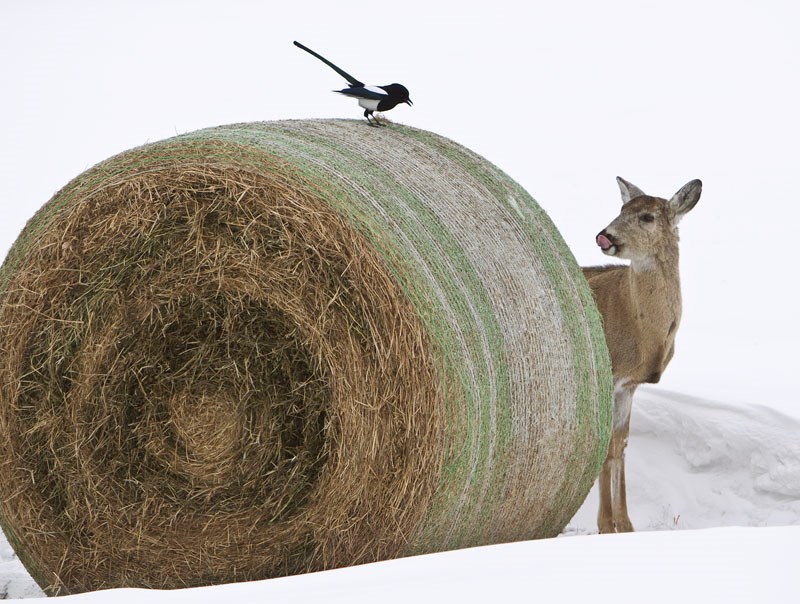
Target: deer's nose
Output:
[{"x": 605, "y": 241}]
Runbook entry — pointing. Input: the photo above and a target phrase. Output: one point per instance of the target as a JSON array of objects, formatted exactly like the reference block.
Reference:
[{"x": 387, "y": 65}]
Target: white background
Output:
[{"x": 563, "y": 96}]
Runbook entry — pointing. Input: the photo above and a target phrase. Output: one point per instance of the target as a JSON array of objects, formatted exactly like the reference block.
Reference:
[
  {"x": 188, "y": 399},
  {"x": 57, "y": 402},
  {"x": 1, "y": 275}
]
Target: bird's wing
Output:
[
  {"x": 341, "y": 72},
  {"x": 365, "y": 92}
]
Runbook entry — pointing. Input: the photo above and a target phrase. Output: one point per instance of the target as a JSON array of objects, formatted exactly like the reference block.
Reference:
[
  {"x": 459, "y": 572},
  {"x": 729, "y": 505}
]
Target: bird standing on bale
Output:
[{"x": 371, "y": 98}]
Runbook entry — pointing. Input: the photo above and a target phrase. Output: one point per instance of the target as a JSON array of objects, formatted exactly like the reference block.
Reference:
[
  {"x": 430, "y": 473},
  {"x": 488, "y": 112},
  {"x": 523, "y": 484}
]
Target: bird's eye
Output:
[{"x": 647, "y": 218}]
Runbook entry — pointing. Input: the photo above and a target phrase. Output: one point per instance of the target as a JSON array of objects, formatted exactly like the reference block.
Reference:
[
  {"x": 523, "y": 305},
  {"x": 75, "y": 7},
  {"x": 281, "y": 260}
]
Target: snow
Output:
[
  {"x": 716, "y": 565},
  {"x": 693, "y": 463},
  {"x": 732, "y": 472},
  {"x": 656, "y": 93}
]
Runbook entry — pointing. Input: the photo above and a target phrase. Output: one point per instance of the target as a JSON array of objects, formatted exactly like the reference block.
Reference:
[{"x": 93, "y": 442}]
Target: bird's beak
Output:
[{"x": 409, "y": 102}]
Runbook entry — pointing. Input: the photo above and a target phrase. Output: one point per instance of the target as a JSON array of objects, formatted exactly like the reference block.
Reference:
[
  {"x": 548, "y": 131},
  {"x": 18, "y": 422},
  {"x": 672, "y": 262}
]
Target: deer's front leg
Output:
[
  {"x": 605, "y": 518},
  {"x": 622, "y": 523},
  {"x": 612, "y": 516}
]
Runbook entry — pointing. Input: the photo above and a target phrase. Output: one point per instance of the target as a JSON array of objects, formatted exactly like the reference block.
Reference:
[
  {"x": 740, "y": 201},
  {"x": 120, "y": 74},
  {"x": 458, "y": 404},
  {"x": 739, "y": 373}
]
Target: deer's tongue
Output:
[{"x": 604, "y": 242}]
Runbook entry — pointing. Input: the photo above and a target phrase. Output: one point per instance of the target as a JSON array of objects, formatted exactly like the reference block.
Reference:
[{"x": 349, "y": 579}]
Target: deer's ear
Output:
[
  {"x": 684, "y": 200},
  {"x": 628, "y": 190}
]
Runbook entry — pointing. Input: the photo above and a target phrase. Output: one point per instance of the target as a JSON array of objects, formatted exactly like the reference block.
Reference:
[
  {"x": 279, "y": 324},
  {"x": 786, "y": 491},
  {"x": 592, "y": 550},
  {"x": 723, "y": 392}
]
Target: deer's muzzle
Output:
[{"x": 606, "y": 242}]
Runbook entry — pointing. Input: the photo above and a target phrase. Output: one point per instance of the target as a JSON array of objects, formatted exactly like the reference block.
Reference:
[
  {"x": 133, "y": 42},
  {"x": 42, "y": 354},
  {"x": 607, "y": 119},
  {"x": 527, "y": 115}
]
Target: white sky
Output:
[{"x": 563, "y": 96}]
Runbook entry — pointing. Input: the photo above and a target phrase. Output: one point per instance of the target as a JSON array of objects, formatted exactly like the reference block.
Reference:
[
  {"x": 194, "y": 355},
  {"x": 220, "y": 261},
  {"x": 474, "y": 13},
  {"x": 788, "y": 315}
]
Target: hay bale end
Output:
[{"x": 272, "y": 348}]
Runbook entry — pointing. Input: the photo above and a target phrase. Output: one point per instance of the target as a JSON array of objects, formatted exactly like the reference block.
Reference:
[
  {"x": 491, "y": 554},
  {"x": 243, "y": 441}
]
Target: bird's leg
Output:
[{"x": 372, "y": 118}]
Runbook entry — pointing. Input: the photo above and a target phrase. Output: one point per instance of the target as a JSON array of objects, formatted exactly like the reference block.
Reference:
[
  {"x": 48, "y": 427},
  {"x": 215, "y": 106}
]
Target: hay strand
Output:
[{"x": 259, "y": 350}]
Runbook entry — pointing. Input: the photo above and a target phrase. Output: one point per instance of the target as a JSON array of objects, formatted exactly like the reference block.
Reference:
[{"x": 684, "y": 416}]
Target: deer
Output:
[{"x": 640, "y": 304}]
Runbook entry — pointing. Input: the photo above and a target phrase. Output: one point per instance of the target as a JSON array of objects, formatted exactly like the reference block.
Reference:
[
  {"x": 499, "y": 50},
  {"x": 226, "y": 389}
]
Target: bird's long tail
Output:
[{"x": 341, "y": 72}]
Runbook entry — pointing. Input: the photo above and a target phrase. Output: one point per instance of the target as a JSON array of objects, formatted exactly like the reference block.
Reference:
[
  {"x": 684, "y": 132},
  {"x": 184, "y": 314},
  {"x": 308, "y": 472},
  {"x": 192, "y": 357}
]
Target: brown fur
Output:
[{"x": 641, "y": 309}]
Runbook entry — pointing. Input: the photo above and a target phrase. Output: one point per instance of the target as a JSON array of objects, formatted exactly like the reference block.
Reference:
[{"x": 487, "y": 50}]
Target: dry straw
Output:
[{"x": 266, "y": 349}]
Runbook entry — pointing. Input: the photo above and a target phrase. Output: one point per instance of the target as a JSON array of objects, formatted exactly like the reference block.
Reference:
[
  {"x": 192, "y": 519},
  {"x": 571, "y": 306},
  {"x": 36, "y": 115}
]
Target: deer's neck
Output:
[{"x": 655, "y": 287}]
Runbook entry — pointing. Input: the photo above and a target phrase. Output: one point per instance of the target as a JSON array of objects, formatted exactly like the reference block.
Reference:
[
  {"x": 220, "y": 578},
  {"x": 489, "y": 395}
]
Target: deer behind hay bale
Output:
[{"x": 641, "y": 309}]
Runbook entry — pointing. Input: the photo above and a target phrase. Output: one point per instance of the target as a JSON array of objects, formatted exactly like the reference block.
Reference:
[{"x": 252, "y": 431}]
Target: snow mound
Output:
[
  {"x": 733, "y": 565},
  {"x": 693, "y": 463},
  {"x": 15, "y": 582}
]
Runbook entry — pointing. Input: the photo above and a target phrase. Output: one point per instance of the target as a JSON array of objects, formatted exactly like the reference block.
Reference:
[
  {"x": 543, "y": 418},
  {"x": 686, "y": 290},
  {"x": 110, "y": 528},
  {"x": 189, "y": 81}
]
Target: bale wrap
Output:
[{"x": 273, "y": 348}]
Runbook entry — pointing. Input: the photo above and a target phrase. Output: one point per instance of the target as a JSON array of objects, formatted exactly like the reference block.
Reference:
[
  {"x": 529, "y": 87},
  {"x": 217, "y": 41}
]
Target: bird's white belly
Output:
[{"x": 370, "y": 104}]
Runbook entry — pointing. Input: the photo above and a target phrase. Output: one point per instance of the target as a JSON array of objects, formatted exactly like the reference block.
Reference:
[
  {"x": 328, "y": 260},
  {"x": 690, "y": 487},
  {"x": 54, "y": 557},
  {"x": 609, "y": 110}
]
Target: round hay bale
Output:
[{"x": 273, "y": 348}]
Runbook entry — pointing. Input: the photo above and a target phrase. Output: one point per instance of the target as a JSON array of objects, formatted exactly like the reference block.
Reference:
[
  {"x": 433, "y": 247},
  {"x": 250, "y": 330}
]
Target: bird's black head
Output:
[{"x": 398, "y": 93}]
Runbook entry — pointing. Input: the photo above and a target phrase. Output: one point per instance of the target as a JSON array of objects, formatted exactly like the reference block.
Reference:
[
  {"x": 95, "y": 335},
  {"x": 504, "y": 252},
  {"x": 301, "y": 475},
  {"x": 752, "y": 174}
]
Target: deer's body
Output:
[{"x": 641, "y": 308}]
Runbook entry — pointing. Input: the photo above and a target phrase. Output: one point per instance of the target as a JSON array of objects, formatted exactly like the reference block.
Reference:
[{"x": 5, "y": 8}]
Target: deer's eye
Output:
[{"x": 647, "y": 217}]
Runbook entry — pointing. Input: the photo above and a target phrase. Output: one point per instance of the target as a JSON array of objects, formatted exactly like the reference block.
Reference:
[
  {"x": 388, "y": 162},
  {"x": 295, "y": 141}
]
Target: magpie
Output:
[{"x": 371, "y": 98}]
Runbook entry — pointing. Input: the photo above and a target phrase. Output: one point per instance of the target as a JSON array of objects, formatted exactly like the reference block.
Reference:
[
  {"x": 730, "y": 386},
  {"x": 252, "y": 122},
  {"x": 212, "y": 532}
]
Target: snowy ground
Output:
[{"x": 692, "y": 464}]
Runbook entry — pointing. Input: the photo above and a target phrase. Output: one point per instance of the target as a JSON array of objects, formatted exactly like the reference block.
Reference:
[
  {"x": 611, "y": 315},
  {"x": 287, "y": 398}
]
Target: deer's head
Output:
[{"x": 646, "y": 228}]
